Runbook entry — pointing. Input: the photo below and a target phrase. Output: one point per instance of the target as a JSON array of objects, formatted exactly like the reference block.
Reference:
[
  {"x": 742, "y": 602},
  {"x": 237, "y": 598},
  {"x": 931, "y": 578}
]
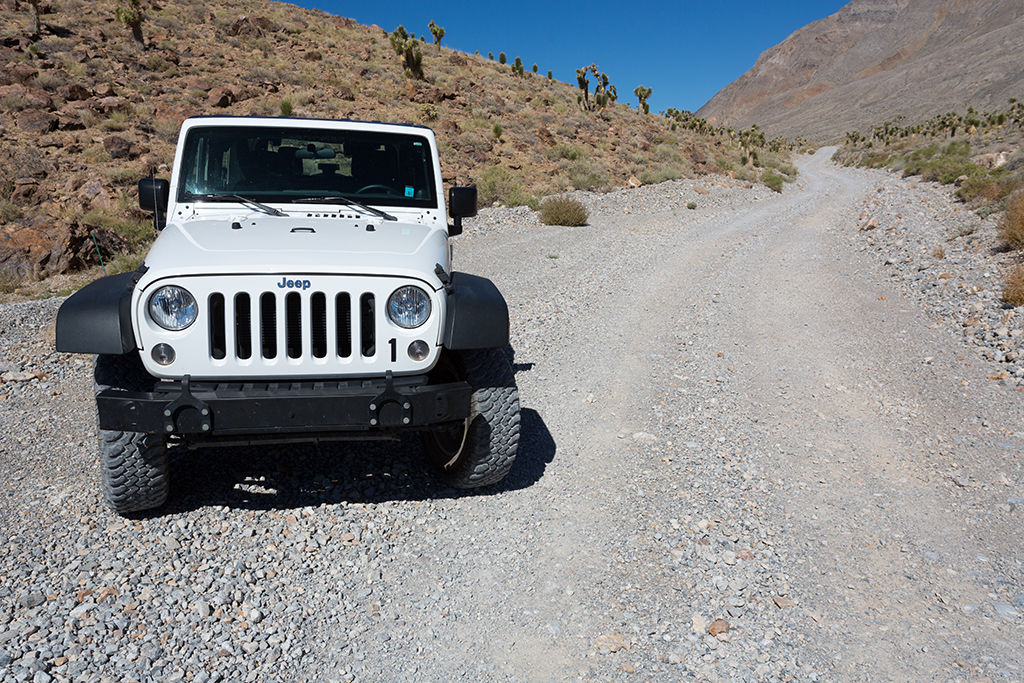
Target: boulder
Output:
[
  {"x": 250, "y": 26},
  {"x": 220, "y": 97},
  {"x": 27, "y": 192},
  {"x": 74, "y": 92},
  {"x": 37, "y": 122},
  {"x": 117, "y": 147},
  {"x": 42, "y": 247},
  {"x": 345, "y": 93},
  {"x": 113, "y": 103},
  {"x": 23, "y": 73},
  {"x": 97, "y": 193},
  {"x": 104, "y": 90}
]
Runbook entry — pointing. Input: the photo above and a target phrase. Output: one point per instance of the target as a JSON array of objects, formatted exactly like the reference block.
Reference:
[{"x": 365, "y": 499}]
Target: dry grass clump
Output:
[
  {"x": 563, "y": 211},
  {"x": 1011, "y": 225},
  {"x": 1013, "y": 286}
]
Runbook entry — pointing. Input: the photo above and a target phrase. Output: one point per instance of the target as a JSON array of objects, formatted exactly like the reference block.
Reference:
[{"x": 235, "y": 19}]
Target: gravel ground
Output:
[{"x": 759, "y": 444}]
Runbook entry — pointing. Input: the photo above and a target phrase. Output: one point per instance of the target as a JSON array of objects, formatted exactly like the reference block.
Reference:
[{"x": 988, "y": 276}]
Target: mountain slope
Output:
[
  {"x": 85, "y": 111},
  {"x": 876, "y": 59}
]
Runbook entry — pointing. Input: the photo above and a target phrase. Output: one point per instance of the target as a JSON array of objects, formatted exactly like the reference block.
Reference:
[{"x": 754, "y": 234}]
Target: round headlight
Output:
[
  {"x": 409, "y": 307},
  {"x": 173, "y": 308}
]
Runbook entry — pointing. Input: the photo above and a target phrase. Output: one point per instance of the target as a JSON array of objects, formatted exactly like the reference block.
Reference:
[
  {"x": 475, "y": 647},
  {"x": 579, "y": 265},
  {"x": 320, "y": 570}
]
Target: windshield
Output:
[{"x": 280, "y": 164}]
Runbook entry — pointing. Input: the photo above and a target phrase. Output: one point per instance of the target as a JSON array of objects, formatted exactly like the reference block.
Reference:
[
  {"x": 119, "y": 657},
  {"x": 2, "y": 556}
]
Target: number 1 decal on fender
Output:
[{"x": 394, "y": 350}]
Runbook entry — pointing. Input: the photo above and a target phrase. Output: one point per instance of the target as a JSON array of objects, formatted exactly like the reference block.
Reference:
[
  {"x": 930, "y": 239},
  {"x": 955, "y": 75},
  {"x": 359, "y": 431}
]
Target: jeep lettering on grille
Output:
[{"x": 294, "y": 284}]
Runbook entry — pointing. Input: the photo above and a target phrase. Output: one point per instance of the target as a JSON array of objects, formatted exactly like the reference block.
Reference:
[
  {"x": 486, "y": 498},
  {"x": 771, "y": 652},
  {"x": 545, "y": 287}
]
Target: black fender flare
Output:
[
  {"x": 98, "y": 317},
  {"x": 477, "y": 315}
]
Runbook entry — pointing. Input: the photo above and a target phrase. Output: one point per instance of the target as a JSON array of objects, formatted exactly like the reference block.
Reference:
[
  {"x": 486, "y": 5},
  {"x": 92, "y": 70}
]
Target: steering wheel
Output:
[{"x": 385, "y": 189}]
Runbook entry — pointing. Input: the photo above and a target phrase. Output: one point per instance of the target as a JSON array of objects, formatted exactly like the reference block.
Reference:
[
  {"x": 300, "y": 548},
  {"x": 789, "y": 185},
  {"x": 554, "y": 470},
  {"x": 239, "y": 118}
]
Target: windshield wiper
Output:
[
  {"x": 338, "y": 199},
  {"x": 235, "y": 197}
]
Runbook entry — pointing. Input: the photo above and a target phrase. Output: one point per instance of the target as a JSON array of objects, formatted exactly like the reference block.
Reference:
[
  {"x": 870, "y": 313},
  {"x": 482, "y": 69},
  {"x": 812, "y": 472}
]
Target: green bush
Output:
[
  {"x": 497, "y": 184},
  {"x": 584, "y": 175},
  {"x": 9, "y": 211},
  {"x": 1013, "y": 286},
  {"x": 1011, "y": 225},
  {"x": 773, "y": 181},
  {"x": 286, "y": 107},
  {"x": 563, "y": 211},
  {"x": 564, "y": 150},
  {"x": 691, "y": 205},
  {"x": 653, "y": 176}
]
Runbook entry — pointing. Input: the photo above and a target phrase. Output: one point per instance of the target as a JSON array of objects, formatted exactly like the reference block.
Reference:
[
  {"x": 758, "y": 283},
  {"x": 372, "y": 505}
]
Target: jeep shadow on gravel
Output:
[{"x": 300, "y": 289}]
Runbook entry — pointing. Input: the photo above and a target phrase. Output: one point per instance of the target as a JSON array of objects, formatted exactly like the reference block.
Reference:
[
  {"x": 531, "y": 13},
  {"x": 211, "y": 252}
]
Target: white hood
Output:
[{"x": 252, "y": 242}]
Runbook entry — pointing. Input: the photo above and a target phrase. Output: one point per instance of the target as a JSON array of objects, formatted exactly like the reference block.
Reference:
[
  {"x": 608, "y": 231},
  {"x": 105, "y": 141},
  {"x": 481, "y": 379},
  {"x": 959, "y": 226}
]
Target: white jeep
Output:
[{"x": 300, "y": 289}]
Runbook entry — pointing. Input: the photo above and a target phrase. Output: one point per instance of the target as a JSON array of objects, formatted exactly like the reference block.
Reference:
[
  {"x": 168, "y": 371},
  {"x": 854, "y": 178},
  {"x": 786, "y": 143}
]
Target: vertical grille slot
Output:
[
  {"x": 343, "y": 324},
  {"x": 293, "y": 324},
  {"x": 218, "y": 344},
  {"x": 243, "y": 326},
  {"x": 318, "y": 324},
  {"x": 368, "y": 341},
  {"x": 268, "y": 325}
]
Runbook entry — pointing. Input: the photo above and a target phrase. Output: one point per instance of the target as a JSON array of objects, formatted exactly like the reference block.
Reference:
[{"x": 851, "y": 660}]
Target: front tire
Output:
[
  {"x": 482, "y": 449},
  {"x": 133, "y": 465}
]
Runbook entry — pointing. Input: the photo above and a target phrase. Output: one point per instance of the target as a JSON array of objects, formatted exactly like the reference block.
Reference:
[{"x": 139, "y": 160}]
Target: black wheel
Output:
[
  {"x": 480, "y": 450},
  {"x": 133, "y": 465}
]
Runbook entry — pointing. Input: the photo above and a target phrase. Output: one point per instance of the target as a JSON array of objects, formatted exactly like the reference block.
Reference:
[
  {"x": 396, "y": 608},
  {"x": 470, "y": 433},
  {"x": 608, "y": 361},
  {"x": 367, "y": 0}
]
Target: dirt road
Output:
[{"x": 747, "y": 455}]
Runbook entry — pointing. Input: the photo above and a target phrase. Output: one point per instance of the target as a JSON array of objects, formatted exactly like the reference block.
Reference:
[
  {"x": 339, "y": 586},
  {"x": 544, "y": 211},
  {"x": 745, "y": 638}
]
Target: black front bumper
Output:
[{"x": 377, "y": 406}]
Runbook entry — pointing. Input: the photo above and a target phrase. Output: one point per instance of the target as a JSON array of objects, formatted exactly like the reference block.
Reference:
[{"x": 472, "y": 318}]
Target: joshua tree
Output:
[
  {"x": 129, "y": 13},
  {"x": 584, "y": 84},
  {"x": 518, "y": 67},
  {"x": 438, "y": 33},
  {"x": 405, "y": 46},
  {"x": 33, "y": 23},
  {"x": 642, "y": 94},
  {"x": 502, "y": 58}
]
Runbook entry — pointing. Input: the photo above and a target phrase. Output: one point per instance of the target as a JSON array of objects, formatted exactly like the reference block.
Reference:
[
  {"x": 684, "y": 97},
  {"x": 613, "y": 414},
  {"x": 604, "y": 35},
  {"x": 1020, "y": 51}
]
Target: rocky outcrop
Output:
[
  {"x": 41, "y": 247},
  {"x": 876, "y": 59}
]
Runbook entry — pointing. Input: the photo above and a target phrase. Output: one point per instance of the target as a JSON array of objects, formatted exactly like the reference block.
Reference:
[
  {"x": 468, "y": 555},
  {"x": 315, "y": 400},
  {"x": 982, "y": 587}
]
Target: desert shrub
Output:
[
  {"x": 286, "y": 107},
  {"x": 563, "y": 211},
  {"x": 585, "y": 175},
  {"x": 1013, "y": 286},
  {"x": 773, "y": 181},
  {"x": 653, "y": 176},
  {"x": 428, "y": 113},
  {"x": 1011, "y": 225},
  {"x": 498, "y": 184},
  {"x": 691, "y": 205},
  {"x": 8, "y": 283},
  {"x": 139, "y": 233},
  {"x": 496, "y": 130},
  {"x": 991, "y": 187},
  {"x": 9, "y": 211},
  {"x": 564, "y": 150}
]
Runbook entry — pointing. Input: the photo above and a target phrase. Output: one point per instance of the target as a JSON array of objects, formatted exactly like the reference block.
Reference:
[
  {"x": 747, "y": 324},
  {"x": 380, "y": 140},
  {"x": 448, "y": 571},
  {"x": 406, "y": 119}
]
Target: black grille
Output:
[{"x": 304, "y": 317}]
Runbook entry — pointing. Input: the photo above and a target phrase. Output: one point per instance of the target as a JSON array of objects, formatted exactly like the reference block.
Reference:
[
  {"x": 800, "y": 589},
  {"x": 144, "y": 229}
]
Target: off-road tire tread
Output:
[
  {"x": 492, "y": 440},
  {"x": 133, "y": 465}
]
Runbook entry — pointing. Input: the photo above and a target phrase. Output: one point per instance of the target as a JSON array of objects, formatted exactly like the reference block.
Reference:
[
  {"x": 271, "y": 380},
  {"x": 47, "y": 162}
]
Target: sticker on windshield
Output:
[{"x": 408, "y": 191}]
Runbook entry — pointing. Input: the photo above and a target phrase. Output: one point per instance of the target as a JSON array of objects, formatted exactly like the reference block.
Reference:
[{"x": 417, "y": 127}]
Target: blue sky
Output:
[{"x": 685, "y": 51}]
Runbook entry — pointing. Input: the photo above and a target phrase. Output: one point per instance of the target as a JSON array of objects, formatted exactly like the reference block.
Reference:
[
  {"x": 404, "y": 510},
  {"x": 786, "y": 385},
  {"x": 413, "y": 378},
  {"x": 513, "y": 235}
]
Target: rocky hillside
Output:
[
  {"x": 87, "y": 108},
  {"x": 877, "y": 59}
]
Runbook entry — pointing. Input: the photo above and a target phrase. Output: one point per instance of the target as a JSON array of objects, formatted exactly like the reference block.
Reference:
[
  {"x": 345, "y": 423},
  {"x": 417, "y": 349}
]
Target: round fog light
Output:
[
  {"x": 163, "y": 354},
  {"x": 419, "y": 350}
]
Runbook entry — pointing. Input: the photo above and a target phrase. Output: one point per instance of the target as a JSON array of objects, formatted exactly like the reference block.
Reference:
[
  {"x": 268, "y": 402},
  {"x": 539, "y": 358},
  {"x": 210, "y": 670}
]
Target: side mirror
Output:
[
  {"x": 154, "y": 194},
  {"x": 461, "y": 204}
]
